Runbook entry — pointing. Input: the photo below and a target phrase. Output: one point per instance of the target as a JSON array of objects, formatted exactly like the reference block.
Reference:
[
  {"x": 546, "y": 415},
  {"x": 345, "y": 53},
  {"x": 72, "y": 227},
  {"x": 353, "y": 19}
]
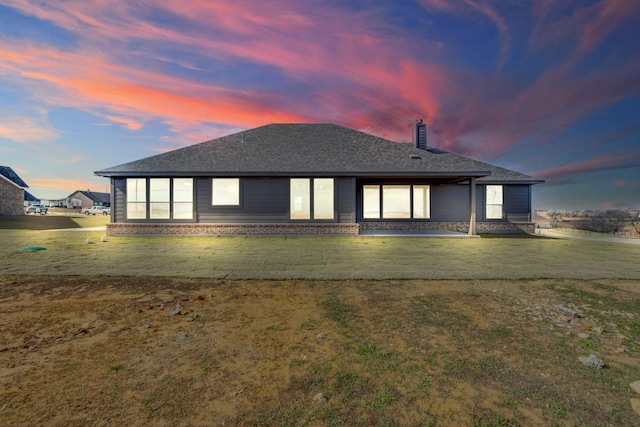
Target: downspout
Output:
[{"x": 472, "y": 207}]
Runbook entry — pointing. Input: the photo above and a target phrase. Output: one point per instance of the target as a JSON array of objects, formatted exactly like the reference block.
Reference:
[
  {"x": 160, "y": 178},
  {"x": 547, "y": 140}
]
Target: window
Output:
[
  {"x": 421, "y": 208},
  {"x": 371, "y": 201},
  {"x": 494, "y": 202},
  {"x": 136, "y": 198},
  {"x": 300, "y": 198},
  {"x": 225, "y": 192},
  {"x": 303, "y": 192},
  {"x": 398, "y": 201},
  {"x": 183, "y": 198},
  {"x": 159, "y": 200},
  {"x": 323, "y": 198},
  {"x": 168, "y": 198}
]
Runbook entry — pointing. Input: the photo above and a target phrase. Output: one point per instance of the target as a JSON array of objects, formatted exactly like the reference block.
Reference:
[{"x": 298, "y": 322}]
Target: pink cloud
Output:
[
  {"x": 27, "y": 130},
  {"x": 362, "y": 78},
  {"x": 597, "y": 163},
  {"x": 125, "y": 122},
  {"x": 623, "y": 182},
  {"x": 585, "y": 27}
]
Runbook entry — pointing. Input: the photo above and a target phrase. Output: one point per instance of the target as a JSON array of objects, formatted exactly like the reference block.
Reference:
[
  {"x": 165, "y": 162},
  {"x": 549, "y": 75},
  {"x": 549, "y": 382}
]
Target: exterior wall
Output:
[
  {"x": 11, "y": 198},
  {"x": 462, "y": 227},
  {"x": 86, "y": 202},
  {"x": 450, "y": 203},
  {"x": 264, "y": 209},
  {"x": 262, "y": 200},
  {"x": 516, "y": 204},
  {"x": 231, "y": 229}
]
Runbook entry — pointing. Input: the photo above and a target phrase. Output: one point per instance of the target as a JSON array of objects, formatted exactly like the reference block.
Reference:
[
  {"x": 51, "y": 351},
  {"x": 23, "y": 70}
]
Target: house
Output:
[
  {"x": 30, "y": 199},
  {"x": 11, "y": 192},
  {"x": 85, "y": 199},
  {"x": 315, "y": 179}
]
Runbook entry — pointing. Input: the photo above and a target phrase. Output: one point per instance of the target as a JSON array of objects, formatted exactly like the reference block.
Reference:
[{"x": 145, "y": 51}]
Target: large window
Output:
[
  {"x": 421, "y": 207},
  {"x": 371, "y": 201},
  {"x": 300, "y": 198},
  {"x": 183, "y": 198},
  {"x": 395, "y": 201},
  {"x": 305, "y": 190},
  {"x": 225, "y": 192},
  {"x": 323, "y": 198},
  {"x": 159, "y": 199},
  {"x": 494, "y": 202},
  {"x": 136, "y": 198},
  {"x": 167, "y": 198}
]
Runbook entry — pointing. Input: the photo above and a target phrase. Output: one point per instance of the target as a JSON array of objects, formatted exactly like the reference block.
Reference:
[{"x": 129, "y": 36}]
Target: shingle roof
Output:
[
  {"x": 30, "y": 197},
  {"x": 95, "y": 196},
  {"x": 8, "y": 173},
  {"x": 310, "y": 149}
]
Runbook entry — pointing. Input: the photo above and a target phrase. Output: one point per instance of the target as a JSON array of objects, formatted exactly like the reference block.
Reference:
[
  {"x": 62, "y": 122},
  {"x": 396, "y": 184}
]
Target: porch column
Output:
[{"x": 472, "y": 206}]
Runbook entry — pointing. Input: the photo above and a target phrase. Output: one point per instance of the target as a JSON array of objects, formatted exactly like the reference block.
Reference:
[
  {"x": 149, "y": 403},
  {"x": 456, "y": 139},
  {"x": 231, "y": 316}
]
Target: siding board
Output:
[{"x": 450, "y": 203}]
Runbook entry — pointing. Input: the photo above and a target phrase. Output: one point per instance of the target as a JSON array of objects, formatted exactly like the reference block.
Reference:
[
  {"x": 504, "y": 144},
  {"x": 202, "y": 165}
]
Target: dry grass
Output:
[{"x": 434, "y": 353}]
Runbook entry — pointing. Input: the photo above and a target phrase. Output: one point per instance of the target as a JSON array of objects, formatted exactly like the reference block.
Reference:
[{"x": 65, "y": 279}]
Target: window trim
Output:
[
  {"x": 312, "y": 201},
  {"x": 239, "y": 192},
  {"x": 147, "y": 201},
  {"x": 381, "y": 217},
  {"x": 487, "y": 204}
]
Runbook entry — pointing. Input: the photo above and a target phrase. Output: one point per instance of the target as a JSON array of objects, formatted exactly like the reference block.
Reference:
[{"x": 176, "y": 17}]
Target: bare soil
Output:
[{"x": 107, "y": 351}]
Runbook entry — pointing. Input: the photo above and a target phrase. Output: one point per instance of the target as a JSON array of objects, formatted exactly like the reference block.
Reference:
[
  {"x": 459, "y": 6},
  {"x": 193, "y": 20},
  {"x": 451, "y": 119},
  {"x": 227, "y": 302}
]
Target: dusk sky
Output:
[{"x": 544, "y": 87}]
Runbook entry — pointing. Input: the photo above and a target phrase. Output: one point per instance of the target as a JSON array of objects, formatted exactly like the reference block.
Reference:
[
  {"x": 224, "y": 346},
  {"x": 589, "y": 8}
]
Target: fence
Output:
[{"x": 597, "y": 234}]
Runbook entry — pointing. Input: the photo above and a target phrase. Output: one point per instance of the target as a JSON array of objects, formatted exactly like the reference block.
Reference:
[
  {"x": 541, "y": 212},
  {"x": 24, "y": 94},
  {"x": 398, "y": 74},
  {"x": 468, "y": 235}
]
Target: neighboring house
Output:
[
  {"x": 11, "y": 192},
  {"x": 86, "y": 199},
  {"x": 315, "y": 179},
  {"x": 30, "y": 199}
]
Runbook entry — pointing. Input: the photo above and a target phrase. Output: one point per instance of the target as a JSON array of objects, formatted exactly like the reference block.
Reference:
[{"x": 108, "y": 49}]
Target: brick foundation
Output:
[
  {"x": 462, "y": 227},
  {"x": 130, "y": 229},
  {"x": 332, "y": 229}
]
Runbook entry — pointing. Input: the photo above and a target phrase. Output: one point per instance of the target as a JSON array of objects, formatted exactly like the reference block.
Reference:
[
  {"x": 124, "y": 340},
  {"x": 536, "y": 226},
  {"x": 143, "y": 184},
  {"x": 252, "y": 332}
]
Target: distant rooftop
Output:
[{"x": 8, "y": 173}]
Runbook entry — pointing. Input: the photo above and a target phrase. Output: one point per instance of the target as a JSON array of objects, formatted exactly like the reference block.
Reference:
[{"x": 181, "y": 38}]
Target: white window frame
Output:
[
  {"x": 182, "y": 201},
  {"x": 374, "y": 206},
  {"x": 159, "y": 198},
  {"x": 141, "y": 199},
  {"x": 494, "y": 201},
  {"x": 225, "y": 192},
  {"x": 371, "y": 201},
  {"x": 136, "y": 198},
  {"x": 307, "y": 203},
  {"x": 424, "y": 192}
]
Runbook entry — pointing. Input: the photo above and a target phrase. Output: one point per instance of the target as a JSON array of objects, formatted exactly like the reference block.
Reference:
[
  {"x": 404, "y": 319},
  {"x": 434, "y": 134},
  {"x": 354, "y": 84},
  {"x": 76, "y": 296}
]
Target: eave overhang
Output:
[{"x": 368, "y": 174}]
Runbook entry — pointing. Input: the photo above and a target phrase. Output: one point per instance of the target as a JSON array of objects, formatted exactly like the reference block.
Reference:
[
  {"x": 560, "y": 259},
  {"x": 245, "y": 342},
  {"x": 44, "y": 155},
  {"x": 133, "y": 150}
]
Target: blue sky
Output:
[{"x": 548, "y": 88}]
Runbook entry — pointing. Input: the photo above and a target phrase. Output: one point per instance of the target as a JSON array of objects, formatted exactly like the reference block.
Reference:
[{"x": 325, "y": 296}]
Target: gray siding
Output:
[
  {"x": 346, "y": 199},
  {"x": 450, "y": 202},
  {"x": 118, "y": 194},
  {"x": 516, "y": 203},
  {"x": 261, "y": 200}
]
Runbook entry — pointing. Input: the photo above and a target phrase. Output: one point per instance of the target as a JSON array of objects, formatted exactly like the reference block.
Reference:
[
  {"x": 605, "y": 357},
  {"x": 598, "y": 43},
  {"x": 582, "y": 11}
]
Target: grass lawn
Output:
[{"x": 323, "y": 258}]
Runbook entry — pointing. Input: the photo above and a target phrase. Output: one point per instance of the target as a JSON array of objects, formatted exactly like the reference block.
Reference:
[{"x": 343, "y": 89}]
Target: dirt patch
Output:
[{"x": 161, "y": 351}]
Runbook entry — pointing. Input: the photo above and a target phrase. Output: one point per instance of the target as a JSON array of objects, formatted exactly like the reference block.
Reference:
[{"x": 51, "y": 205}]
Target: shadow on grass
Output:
[
  {"x": 37, "y": 222},
  {"x": 511, "y": 236}
]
